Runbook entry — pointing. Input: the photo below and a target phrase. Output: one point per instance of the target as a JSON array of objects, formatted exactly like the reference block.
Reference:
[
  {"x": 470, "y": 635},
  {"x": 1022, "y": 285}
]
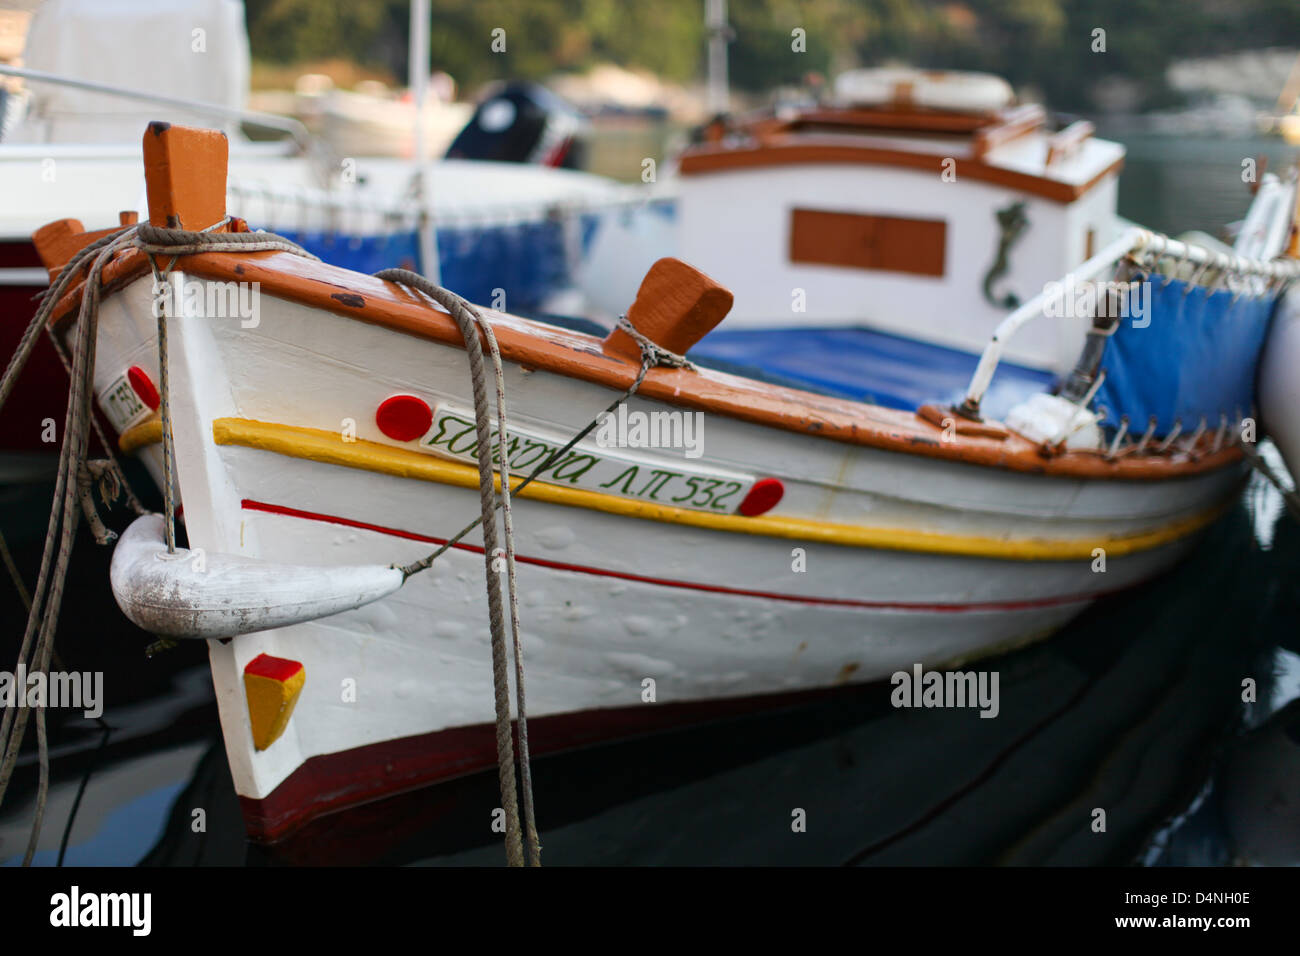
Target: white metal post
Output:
[{"x": 418, "y": 81}]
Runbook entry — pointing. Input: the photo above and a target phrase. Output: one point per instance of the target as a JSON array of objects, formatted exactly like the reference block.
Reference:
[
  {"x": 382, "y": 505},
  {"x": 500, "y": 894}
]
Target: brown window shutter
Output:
[{"x": 879, "y": 243}]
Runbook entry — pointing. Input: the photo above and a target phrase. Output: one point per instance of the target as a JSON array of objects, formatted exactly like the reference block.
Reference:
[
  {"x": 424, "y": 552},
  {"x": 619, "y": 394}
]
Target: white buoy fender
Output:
[
  {"x": 1279, "y": 381},
  {"x": 932, "y": 89},
  {"x": 194, "y": 594}
]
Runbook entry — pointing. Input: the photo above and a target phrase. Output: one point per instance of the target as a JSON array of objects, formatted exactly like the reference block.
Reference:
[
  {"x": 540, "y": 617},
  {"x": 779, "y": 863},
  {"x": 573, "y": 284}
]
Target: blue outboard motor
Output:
[{"x": 524, "y": 123}]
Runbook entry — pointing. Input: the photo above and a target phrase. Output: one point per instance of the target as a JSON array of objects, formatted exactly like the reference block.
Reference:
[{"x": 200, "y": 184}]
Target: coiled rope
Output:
[{"x": 469, "y": 319}]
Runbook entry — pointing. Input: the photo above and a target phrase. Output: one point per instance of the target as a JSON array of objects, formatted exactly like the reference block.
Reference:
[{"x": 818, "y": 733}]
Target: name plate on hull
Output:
[
  {"x": 611, "y": 471},
  {"x": 121, "y": 405}
]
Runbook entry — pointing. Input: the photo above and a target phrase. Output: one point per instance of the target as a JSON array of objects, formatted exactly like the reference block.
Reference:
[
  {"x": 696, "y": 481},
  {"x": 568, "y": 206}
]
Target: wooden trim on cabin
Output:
[
  {"x": 792, "y": 151},
  {"x": 988, "y": 129},
  {"x": 877, "y": 243},
  {"x": 1014, "y": 124},
  {"x": 883, "y": 119},
  {"x": 535, "y": 345},
  {"x": 1064, "y": 142}
]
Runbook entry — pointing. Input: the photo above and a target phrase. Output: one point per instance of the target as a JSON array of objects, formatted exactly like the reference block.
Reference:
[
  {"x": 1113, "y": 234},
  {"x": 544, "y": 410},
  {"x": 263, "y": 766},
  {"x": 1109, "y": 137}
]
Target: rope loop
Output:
[{"x": 652, "y": 353}]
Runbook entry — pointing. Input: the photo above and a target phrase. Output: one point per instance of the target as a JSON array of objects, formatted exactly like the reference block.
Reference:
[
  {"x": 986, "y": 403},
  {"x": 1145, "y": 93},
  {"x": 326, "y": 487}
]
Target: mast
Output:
[
  {"x": 418, "y": 81},
  {"x": 715, "y": 18}
]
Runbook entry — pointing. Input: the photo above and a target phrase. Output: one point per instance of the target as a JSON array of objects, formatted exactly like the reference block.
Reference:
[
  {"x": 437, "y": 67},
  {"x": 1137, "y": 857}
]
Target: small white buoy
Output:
[{"x": 190, "y": 593}]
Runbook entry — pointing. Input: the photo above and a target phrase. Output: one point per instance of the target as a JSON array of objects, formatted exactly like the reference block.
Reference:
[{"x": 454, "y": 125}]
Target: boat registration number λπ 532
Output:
[
  {"x": 122, "y": 405},
  {"x": 453, "y": 434}
]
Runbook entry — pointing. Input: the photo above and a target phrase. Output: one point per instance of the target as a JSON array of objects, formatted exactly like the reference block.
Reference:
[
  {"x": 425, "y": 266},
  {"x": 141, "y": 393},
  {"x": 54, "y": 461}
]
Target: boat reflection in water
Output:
[{"x": 1135, "y": 709}]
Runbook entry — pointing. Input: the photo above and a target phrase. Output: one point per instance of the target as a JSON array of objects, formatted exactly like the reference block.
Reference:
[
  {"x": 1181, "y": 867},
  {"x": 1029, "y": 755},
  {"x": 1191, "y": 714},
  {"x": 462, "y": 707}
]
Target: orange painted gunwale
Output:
[{"x": 538, "y": 346}]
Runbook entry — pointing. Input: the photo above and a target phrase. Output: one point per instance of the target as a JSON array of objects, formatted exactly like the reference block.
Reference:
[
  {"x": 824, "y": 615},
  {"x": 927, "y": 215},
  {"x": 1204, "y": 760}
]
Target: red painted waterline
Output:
[
  {"x": 338, "y": 781},
  {"x": 252, "y": 505}
]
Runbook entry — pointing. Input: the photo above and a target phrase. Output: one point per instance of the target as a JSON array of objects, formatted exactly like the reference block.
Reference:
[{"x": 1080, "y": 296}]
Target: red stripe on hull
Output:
[
  {"x": 952, "y": 608},
  {"x": 332, "y": 782}
]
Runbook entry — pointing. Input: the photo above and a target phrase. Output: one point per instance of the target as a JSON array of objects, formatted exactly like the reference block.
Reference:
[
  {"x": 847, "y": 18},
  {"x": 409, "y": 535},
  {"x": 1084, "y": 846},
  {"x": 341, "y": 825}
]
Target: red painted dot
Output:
[
  {"x": 762, "y": 497},
  {"x": 404, "y": 417},
  {"x": 143, "y": 386}
]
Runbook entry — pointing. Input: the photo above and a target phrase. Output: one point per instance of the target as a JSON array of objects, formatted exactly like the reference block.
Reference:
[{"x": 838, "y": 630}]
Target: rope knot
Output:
[{"x": 652, "y": 353}]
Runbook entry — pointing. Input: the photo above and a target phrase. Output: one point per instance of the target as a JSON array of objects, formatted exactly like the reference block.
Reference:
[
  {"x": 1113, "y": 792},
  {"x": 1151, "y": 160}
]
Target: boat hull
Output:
[{"x": 636, "y": 615}]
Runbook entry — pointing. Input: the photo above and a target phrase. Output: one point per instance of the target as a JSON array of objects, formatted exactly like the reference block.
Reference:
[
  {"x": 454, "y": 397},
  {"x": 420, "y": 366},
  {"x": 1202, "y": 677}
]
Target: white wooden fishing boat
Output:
[{"x": 806, "y": 542}]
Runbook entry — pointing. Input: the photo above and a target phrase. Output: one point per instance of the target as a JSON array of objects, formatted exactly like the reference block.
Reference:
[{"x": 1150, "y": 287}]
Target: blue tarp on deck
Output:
[
  {"x": 867, "y": 365},
  {"x": 528, "y": 261},
  {"x": 1195, "y": 358},
  {"x": 368, "y": 254}
]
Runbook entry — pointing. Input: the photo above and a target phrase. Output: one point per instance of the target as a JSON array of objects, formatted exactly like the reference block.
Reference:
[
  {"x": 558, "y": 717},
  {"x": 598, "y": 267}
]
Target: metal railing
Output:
[
  {"x": 1134, "y": 241},
  {"x": 283, "y": 124}
]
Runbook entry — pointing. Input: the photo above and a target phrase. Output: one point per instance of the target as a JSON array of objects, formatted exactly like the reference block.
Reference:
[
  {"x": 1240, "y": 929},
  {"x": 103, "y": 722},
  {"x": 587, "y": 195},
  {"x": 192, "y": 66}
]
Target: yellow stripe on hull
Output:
[{"x": 329, "y": 448}]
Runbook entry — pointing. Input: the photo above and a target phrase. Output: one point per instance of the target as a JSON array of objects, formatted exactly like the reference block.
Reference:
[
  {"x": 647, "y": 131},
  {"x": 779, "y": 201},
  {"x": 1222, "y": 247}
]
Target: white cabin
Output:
[{"x": 884, "y": 209}]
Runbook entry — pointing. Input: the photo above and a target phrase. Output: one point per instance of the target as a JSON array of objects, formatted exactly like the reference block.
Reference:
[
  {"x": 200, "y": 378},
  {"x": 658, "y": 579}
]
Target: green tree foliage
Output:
[{"x": 1048, "y": 43}]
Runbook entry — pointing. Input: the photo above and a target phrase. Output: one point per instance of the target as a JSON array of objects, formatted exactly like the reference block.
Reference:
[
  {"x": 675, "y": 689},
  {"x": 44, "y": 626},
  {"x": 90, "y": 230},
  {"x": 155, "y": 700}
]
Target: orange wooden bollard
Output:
[{"x": 676, "y": 306}]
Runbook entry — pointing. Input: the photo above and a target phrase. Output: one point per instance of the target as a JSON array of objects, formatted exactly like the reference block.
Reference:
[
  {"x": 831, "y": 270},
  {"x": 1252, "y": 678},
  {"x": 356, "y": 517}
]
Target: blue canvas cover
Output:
[
  {"x": 1195, "y": 358},
  {"x": 528, "y": 260},
  {"x": 368, "y": 254},
  {"x": 868, "y": 365}
]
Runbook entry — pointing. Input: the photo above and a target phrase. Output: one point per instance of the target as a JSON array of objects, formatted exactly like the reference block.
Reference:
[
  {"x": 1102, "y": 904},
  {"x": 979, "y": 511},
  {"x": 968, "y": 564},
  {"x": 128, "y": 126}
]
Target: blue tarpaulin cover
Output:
[
  {"x": 1195, "y": 359},
  {"x": 368, "y": 254},
  {"x": 529, "y": 261},
  {"x": 868, "y": 365}
]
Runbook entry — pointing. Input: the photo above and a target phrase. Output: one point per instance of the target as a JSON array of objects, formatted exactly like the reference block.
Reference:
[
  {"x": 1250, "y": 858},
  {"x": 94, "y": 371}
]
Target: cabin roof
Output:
[{"x": 1011, "y": 146}]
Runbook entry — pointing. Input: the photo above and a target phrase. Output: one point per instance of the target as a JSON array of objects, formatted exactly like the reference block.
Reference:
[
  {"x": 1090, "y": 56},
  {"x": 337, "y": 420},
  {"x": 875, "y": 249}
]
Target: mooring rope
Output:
[
  {"x": 174, "y": 242},
  {"x": 470, "y": 321},
  {"x": 47, "y": 597},
  {"x": 648, "y": 361},
  {"x": 15, "y": 576},
  {"x": 75, "y": 474},
  {"x": 132, "y": 499},
  {"x": 468, "y": 318}
]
